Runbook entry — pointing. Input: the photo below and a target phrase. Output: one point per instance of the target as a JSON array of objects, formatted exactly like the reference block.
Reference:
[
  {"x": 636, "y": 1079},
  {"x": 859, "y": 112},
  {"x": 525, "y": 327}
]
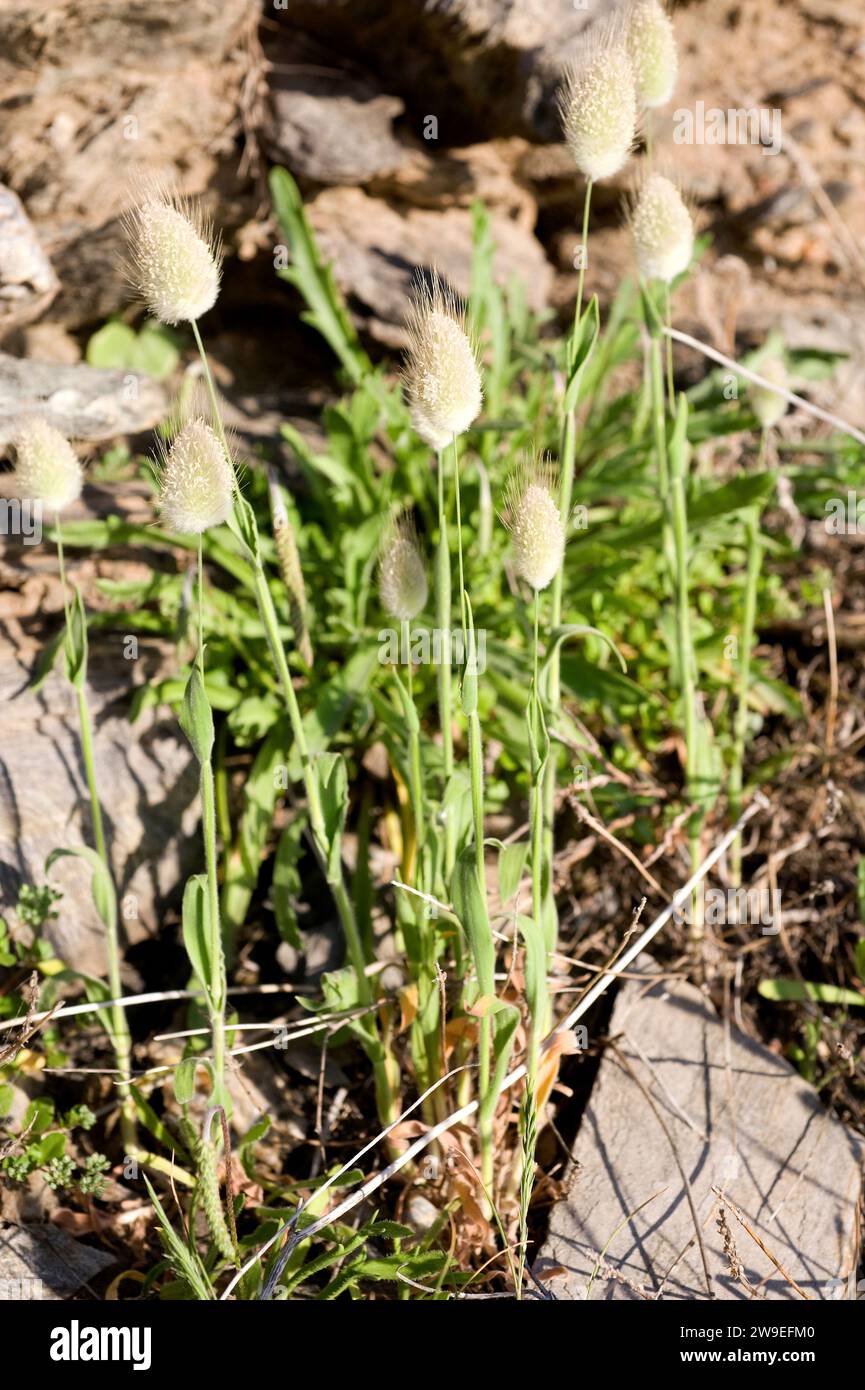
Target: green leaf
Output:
[
  {"x": 75, "y": 647},
  {"x": 101, "y": 886},
  {"x": 184, "y": 1261},
  {"x": 569, "y": 630},
  {"x": 797, "y": 991},
  {"x": 196, "y": 929},
  {"x": 470, "y": 906},
  {"x": 512, "y": 862},
  {"x": 111, "y": 346},
  {"x": 313, "y": 278},
  {"x": 184, "y": 1080},
  {"x": 196, "y": 717},
  {"x": 330, "y": 773}
]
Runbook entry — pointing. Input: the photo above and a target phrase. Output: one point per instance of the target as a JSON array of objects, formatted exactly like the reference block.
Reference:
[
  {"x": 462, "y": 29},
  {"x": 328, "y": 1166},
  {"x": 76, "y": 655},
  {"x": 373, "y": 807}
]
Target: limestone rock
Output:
[
  {"x": 375, "y": 249},
  {"x": 83, "y": 402},
  {"x": 27, "y": 280},
  {"x": 45, "y": 1263},
  {"x": 743, "y": 1121}
]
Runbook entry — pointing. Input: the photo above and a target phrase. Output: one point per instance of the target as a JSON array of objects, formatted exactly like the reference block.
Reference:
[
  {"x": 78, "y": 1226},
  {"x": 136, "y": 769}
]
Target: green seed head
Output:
[
  {"x": 662, "y": 230},
  {"x": 197, "y": 481},
  {"x": 174, "y": 259},
  {"x": 532, "y": 517},
  {"x": 767, "y": 405},
  {"x": 598, "y": 105},
  {"x": 402, "y": 574},
  {"x": 443, "y": 382},
  {"x": 47, "y": 468},
  {"x": 651, "y": 43}
]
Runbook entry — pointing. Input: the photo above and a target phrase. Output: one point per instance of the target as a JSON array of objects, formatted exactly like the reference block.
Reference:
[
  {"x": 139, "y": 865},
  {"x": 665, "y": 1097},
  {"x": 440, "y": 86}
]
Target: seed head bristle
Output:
[
  {"x": 197, "y": 480},
  {"x": 662, "y": 229},
  {"x": 47, "y": 468},
  {"x": 532, "y": 516},
  {"x": 651, "y": 44},
  {"x": 402, "y": 574},
  {"x": 442, "y": 378},
  {"x": 598, "y": 103},
  {"x": 767, "y": 405},
  {"x": 174, "y": 257}
]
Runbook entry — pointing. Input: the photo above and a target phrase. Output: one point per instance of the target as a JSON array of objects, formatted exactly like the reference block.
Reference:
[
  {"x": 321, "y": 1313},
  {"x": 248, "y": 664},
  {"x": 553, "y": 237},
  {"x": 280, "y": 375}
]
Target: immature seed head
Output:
[
  {"x": 196, "y": 480},
  {"x": 174, "y": 259},
  {"x": 443, "y": 382},
  {"x": 651, "y": 44},
  {"x": 598, "y": 105},
  {"x": 47, "y": 468},
  {"x": 662, "y": 230},
  {"x": 532, "y": 517},
  {"x": 766, "y": 404},
  {"x": 402, "y": 575}
]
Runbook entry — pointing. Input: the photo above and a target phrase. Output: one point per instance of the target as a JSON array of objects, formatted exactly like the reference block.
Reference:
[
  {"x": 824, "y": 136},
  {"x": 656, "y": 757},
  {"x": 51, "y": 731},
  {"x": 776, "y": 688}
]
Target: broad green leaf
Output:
[
  {"x": 796, "y": 991},
  {"x": 471, "y": 908},
  {"x": 196, "y": 717},
  {"x": 101, "y": 885},
  {"x": 196, "y": 929}
]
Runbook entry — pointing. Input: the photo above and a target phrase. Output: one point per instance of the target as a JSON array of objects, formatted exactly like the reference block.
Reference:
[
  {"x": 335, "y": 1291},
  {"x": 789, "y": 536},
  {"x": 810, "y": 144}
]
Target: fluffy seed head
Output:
[
  {"x": 196, "y": 480},
  {"x": 662, "y": 230},
  {"x": 174, "y": 259},
  {"x": 47, "y": 468},
  {"x": 767, "y": 405},
  {"x": 532, "y": 517},
  {"x": 598, "y": 105},
  {"x": 651, "y": 43},
  {"x": 402, "y": 576},
  {"x": 443, "y": 382}
]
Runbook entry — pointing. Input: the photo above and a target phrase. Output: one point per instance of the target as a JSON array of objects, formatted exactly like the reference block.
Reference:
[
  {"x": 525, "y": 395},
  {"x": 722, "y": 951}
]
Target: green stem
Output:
[
  {"x": 443, "y": 675},
  {"x": 749, "y": 624},
  {"x": 382, "y": 1063},
  {"x": 685, "y": 653},
  {"x": 554, "y": 688},
  {"x": 208, "y": 822},
  {"x": 121, "y": 1038},
  {"x": 671, "y": 392}
]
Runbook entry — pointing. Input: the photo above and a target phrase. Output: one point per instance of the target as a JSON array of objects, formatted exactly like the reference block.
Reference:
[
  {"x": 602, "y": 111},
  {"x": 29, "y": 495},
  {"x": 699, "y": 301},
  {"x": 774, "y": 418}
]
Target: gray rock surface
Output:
[
  {"x": 42, "y": 1262},
  {"x": 333, "y": 129},
  {"x": 483, "y": 67},
  {"x": 27, "y": 280},
  {"x": 742, "y": 1121},
  {"x": 82, "y": 402},
  {"x": 375, "y": 250},
  {"x": 148, "y": 788}
]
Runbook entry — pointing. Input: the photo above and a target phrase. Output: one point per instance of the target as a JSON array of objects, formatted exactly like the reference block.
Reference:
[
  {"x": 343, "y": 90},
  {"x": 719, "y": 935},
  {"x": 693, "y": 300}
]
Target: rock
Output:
[
  {"x": 100, "y": 95},
  {"x": 43, "y": 1262},
  {"x": 375, "y": 250},
  {"x": 743, "y": 1121},
  {"x": 82, "y": 402},
  {"x": 145, "y": 773},
  {"x": 333, "y": 129},
  {"x": 479, "y": 67},
  {"x": 27, "y": 280}
]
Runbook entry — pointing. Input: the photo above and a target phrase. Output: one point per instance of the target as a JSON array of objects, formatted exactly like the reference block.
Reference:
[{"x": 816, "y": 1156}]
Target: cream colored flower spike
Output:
[
  {"x": 402, "y": 574},
  {"x": 598, "y": 104},
  {"x": 47, "y": 468},
  {"x": 651, "y": 44},
  {"x": 532, "y": 517},
  {"x": 443, "y": 381},
  {"x": 196, "y": 481},
  {"x": 174, "y": 259},
  {"x": 662, "y": 230}
]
